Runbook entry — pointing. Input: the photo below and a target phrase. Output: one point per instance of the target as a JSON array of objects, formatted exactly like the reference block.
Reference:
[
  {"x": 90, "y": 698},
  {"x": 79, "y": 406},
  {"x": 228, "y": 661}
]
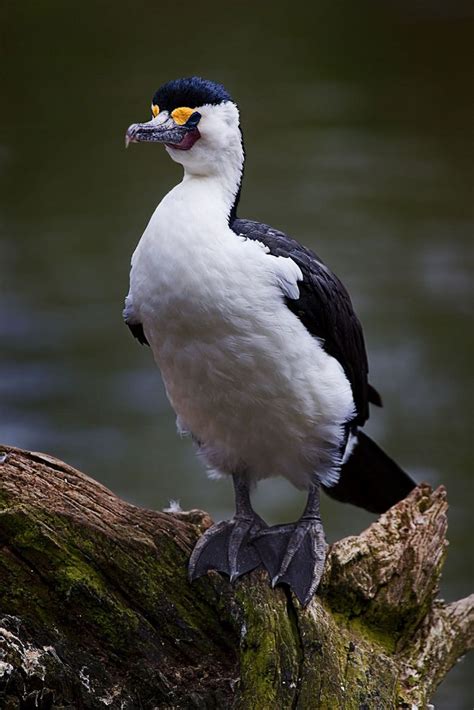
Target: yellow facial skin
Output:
[
  {"x": 155, "y": 110},
  {"x": 181, "y": 115}
]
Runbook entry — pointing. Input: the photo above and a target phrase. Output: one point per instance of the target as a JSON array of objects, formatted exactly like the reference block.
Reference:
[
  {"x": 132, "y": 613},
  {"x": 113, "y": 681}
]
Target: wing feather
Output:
[{"x": 324, "y": 307}]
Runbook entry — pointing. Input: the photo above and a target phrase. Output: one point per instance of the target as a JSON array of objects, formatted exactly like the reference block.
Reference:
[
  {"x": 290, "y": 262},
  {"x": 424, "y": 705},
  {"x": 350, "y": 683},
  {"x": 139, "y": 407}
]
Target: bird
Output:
[{"x": 261, "y": 353}]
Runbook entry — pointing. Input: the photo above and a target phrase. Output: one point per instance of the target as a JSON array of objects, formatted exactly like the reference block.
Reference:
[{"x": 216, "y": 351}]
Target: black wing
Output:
[
  {"x": 325, "y": 309},
  {"x": 138, "y": 332},
  {"x": 133, "y": 322}
]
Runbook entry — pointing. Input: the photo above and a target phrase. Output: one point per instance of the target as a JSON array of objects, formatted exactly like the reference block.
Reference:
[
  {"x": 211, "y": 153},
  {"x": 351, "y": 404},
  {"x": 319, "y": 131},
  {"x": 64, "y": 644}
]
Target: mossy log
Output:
[{"x": 96, "y": 610}]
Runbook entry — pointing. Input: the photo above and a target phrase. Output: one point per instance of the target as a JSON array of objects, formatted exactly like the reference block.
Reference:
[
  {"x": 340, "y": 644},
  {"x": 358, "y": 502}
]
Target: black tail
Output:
[{"x": 370, "y": 479}]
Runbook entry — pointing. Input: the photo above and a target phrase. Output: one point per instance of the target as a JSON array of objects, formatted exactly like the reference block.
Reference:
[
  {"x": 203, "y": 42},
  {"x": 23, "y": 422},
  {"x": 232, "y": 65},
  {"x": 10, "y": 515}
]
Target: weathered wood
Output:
[{"x": 96, "y": 610}]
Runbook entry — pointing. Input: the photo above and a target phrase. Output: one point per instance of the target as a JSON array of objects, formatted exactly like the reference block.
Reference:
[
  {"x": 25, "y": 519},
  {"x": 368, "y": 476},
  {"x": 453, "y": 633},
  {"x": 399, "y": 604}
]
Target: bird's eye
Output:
[
  {"x": 181, "y": 115},
  {"x": 194, "y": 119},
  {"x": 155, "y": 110}
]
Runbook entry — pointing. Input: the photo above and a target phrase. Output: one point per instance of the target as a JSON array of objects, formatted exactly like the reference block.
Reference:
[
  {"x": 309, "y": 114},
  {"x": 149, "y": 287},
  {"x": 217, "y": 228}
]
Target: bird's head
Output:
[{"x": 197, "y": 122}]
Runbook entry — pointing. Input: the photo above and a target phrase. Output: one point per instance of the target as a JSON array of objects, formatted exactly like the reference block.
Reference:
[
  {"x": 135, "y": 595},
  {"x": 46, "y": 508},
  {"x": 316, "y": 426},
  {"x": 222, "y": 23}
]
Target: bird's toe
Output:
[
  {"x": 226, "y": 547},
  {"x": 294, "y": 555}
]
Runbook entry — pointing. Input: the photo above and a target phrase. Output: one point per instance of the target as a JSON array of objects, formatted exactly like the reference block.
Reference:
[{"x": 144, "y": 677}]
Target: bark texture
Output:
[{"x": 96, "y": 610}]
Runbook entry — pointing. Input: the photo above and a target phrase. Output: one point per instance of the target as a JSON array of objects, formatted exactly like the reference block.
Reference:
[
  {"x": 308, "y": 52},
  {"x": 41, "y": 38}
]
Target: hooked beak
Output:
[{"x": 167, "y": 132}]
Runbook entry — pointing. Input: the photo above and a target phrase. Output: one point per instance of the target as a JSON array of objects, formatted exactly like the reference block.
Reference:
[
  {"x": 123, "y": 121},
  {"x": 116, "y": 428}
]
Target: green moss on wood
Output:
[
  {"x": 270, "y": 652},
  {"x": 106, "y": 589}
]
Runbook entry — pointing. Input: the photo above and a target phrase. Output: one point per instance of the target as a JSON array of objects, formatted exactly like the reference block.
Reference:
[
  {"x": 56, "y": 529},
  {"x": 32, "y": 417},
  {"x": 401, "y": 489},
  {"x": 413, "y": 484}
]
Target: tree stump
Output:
[{"x": 96, "y": 610}]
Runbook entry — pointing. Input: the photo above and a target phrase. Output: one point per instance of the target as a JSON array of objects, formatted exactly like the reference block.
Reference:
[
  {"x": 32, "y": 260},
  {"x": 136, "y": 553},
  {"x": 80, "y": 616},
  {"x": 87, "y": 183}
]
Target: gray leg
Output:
[
  {"x": 295, "y": 554},
  {"x": 227, "y": 546}
]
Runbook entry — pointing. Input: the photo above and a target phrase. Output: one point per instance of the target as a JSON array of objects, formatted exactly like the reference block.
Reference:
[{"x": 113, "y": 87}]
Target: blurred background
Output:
[{"x": 358, "y": 125}]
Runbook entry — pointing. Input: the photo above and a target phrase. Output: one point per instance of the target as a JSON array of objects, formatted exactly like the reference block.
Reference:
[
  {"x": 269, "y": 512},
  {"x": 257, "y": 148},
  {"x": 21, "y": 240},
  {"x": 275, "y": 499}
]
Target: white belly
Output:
[{"x": 242, "y": 373}]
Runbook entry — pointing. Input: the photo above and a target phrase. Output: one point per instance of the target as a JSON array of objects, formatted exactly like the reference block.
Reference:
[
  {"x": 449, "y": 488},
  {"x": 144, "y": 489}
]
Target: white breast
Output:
[{"x": 241, "y": 371}]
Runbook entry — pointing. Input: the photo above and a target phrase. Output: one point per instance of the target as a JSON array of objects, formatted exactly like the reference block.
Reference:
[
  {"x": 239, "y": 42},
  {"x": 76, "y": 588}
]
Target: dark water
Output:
[{"x": 358, "y": 127}]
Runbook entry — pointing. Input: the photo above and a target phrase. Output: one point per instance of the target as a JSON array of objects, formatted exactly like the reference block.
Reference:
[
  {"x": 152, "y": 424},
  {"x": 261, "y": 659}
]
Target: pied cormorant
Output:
[{"x": 261, "y": 353}]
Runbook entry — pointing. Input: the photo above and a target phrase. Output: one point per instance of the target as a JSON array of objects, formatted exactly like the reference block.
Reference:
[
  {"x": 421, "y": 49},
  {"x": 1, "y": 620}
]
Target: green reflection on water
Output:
[{"x": 357, "y": 118}]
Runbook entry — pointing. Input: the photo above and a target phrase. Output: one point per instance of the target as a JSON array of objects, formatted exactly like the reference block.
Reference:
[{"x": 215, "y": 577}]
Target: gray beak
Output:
[{"x": 167, "y": 132}]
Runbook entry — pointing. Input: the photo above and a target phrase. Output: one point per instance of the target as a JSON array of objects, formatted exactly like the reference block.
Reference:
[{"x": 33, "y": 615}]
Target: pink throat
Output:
[{"x": 188, "y": 140}]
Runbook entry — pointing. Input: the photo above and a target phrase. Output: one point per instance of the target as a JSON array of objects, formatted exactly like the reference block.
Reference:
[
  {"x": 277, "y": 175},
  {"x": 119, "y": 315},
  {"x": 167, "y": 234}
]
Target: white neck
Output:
[
  {"x": 220, "y": 188},
  {"x": 213, "y": 166}
]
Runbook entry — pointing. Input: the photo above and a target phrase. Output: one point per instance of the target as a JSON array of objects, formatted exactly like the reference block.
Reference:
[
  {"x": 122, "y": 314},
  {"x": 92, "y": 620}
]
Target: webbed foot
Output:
[
  {"x": 227, "y": 547},
  {"x": 294, "y": 554}
]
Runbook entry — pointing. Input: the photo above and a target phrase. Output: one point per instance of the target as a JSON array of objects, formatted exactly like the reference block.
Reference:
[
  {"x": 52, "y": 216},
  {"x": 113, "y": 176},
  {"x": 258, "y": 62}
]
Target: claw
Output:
[
  {"x": 294, "y": 555},
  {"x": 227, "y": 547}
]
